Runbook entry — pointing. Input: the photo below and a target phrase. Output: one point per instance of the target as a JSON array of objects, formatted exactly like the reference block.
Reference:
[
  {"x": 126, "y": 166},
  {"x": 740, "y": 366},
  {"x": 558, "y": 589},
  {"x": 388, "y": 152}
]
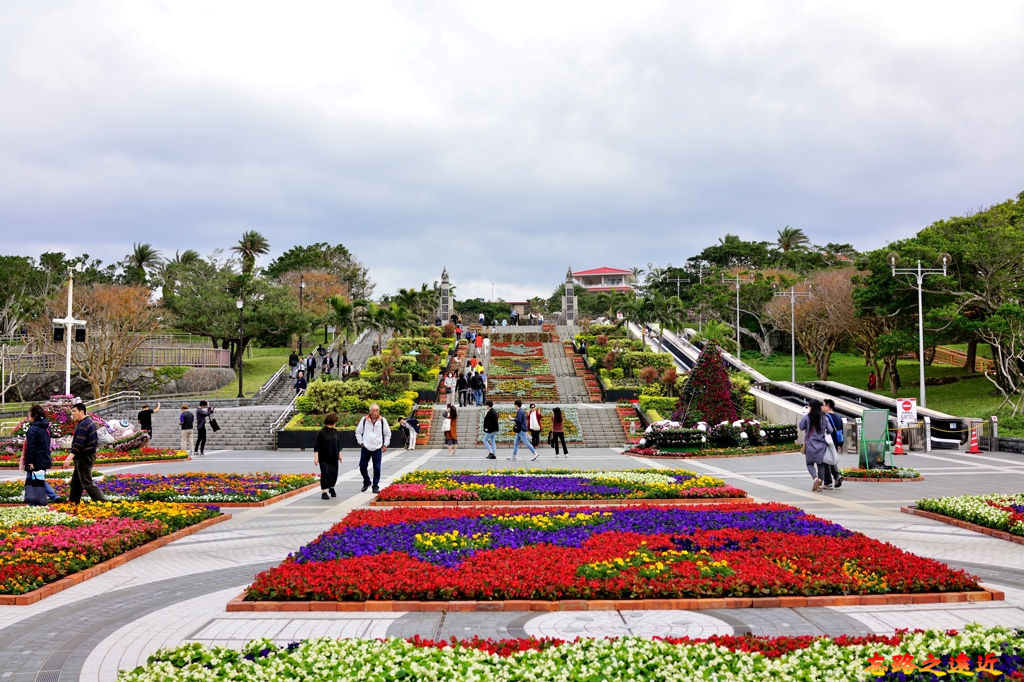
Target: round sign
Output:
[{"x": 907, "y": 405}]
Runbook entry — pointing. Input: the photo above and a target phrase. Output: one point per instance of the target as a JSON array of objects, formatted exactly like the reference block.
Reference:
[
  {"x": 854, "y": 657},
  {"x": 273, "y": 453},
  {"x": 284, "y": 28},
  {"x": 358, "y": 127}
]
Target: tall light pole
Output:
[
  {"x": 792, "y": 294},
  {"x": 746, "y": 280},
  {"x": 69, "y": 323},
  {"x": 241, "y": 339},
  {"x": 700, "y": 314},
  {"x": 302, "y": 292},
  {"x": 920, "y": 274}
]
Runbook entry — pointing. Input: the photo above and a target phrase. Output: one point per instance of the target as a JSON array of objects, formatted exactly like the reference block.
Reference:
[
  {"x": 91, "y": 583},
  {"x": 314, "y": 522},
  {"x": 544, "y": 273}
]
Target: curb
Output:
[
  {"x": 268, "y": 501},
  {"x": 966, "y": 525},
  {"x": 563, "y": 503},
  {"x": 882, "y": 480},
  {"x": 743, "y": 454},
  {"x": 239, "y": 603},
  {"x": 106, "y": 463},
  {"x": 93, "y": 571}
]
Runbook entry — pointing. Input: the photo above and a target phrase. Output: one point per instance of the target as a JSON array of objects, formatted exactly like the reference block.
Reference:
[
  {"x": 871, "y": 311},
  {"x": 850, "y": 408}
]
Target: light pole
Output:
[
  {"x": 69, "y": 323},
  {"x": 745, "y": 280},
  {"x": 302, "y": 292},
  {"x": 919, "y": 273},
  {"x": 792, "y": 294},
  {"x": 241, "y": 339}
]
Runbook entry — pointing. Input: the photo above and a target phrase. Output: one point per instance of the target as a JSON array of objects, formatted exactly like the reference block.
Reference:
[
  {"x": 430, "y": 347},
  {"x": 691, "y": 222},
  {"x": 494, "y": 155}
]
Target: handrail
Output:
[
  {"x": 8, "y": 426},
  {"x": 276, "y": 425},
  {"x": 270, "y": 383},
  {"x": 116, "y": 398}
]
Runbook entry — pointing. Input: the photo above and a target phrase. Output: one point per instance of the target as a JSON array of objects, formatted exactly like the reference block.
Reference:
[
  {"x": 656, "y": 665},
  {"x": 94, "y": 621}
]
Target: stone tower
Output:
[
  {"x": 570, "y": 315},
  {"x": 447, "y": 305}
]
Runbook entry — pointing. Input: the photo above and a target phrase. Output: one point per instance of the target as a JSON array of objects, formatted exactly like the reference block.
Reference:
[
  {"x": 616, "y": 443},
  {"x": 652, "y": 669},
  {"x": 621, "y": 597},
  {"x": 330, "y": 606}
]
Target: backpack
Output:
[{"x": 837, "y": 424}]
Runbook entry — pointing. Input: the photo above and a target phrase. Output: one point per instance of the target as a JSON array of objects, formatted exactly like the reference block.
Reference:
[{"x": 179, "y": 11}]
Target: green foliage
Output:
[
  {"x": 335, "y": 259},
  {"x": 637, "y": 360},
  {"x": 169, "y": 373},
  {"x": 661, "y": 404}
]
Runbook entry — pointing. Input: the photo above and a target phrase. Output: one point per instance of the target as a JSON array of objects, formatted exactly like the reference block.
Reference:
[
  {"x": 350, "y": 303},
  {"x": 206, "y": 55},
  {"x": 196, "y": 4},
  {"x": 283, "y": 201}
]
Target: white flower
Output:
[
  {"x": 702, "y": 427},
  {"x": 762, "y": 433},
  {"x": 703, "y": 439},
  {"x": 743, "y": 435}
]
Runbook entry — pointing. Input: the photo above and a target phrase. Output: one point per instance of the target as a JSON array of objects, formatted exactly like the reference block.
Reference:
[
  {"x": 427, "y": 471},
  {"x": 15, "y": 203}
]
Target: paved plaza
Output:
[{"x": 178, "y": 593}]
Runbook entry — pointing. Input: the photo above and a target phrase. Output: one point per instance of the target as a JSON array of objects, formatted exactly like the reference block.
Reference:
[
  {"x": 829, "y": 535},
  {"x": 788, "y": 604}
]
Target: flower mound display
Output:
[
  {"x": 186, "y": 487},
  {"x": 726, "y": 658},
  {"x": 636, "y": 552},
  {"x": 1000, "y": 512},
  {"x": 39, "y": 545},
  {"x": 556, "y": 484}
]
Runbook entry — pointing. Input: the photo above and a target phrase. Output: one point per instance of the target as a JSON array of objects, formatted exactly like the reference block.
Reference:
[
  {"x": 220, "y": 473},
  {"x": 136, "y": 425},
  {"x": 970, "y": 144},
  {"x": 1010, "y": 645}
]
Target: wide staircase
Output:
[
  {"x": 241, "y": 428},
  {"x": 599, "y": 424}
]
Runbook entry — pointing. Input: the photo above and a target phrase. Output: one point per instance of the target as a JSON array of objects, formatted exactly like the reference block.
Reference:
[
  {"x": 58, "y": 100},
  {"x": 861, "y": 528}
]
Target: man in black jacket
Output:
[
  {"x": 83, "y": 453},
  {"x": 491, "y": 430},
  {"x": 462, "y": 386}
]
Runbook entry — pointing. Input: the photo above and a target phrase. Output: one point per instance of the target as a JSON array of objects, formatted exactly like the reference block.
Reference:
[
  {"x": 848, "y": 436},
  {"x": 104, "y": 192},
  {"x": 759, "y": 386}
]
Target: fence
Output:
[
  {"x": 944, "y": 355},
  {"x": 167, "y": 356}
]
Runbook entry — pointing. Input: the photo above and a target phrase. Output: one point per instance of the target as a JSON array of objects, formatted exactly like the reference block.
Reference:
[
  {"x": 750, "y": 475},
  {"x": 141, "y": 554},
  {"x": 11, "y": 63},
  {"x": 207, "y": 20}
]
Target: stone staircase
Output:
[
  {"x": 599, "y": 422},
  {"x": 241, "y": 428},
  {"x": 601, "y": 426},
  {"x": 571, "y": 388}
]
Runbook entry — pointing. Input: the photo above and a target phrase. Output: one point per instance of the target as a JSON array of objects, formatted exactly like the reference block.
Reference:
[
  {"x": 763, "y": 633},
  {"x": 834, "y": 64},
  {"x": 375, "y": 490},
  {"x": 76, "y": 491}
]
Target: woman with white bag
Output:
[{"x": 817, "y": 437}]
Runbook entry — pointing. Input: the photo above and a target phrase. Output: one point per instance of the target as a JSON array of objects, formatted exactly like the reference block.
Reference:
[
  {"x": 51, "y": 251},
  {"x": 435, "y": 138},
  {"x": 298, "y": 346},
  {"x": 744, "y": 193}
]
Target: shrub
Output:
[
  {"x": 602, "y": 340},
  {"x": 659, "y": 403},
  {"x": 609, "y": 360},
  {"x": 635, "y": 360},
  {"x": 649, "y": 375}
]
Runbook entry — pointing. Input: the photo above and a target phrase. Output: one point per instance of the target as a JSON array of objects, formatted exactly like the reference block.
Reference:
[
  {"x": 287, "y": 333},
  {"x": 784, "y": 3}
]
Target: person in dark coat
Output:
[
  {"x": 83, "y": 454},
  {"x": 491, "y": 430},
  {"x": 327, "y": 455},
  {"x": 37, "y": 448},
  {"x": 300, "y": 383}
]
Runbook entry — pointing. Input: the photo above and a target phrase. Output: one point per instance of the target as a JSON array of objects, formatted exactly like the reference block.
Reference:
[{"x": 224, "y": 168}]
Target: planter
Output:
[{"x": 306, "y": 440}]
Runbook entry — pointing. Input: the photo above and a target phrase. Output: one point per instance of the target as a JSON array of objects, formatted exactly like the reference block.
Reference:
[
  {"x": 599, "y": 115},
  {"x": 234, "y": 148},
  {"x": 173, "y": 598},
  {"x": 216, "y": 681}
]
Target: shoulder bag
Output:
[{"x": 35, "y": 490}]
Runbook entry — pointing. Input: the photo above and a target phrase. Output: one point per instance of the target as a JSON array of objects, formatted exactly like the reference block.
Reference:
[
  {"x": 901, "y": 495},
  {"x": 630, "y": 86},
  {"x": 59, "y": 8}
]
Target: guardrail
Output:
[
  {"x": 114, "y": 399},
  {"x": 278, "y": 423},
  {"x": 944, "y": 355},
  {"x": 270, "y": 383},
  {"x": 146, "y": 356}
]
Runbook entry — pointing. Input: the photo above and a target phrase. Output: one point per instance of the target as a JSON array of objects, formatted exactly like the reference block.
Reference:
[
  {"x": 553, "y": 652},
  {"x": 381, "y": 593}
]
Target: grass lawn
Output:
[
  {"x": 971, "y": 397},
  {"x": 256, "y": 370}
]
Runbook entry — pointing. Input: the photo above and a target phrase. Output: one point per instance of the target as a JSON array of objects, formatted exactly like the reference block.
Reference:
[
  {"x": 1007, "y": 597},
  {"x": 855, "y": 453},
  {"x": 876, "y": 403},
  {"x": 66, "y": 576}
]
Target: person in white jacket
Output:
[{"x": 373, "y": 435}]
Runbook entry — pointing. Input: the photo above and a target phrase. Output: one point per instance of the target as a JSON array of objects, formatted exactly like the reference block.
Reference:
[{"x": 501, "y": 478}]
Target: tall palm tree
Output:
[
  {"x": 136, "y": 264},
  {"x": 186, "y": 257},
  {"x": 718, "y": 333},
  {"x": 344, "y": 320},
  {"x": 667, "y": 311},
  {"x": 791, "y": 238},
  {"x": 251, "y": 245}
]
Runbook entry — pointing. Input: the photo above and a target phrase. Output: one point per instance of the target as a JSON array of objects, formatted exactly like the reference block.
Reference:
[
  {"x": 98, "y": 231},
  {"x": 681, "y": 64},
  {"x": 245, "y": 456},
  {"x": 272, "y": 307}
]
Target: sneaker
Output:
[
  {"x": 324, "y": 496},
  {"x": 814, "y": 486},
  {"x": 839, "y": 483},
  {"x": 491, "y": 456},
  {"x": 376, "y": 491},
  {"x": 535, "y": 456},
  {"x": 826, "y": 487},
  {"x": 511, "y": 459},
  {"x": 366, "y": 486},
  {"x": 331, "y": 491}
]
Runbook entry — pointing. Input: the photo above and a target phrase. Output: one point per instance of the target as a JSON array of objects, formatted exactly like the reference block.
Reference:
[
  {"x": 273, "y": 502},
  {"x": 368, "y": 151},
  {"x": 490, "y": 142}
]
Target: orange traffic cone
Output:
[
  {"x": 974, "y": 449},
  {"x": 898, "y": 448}
]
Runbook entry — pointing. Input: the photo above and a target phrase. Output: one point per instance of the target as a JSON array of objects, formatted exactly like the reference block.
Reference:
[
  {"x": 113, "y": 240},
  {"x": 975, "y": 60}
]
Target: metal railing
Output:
[
  {"x": 278, "y": 423},
  {"x": 146, "y": 356},
  {"x": 115, "y": 400},
  {"x": 270, "y": 384}
]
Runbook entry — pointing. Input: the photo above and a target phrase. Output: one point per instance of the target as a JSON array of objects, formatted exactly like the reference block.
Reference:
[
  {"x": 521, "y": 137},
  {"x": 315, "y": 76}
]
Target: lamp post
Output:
[
  {"x": 241, "y": 339},
  {"x": 69, "y": 323},
  {"x": 792, "y": 294},
  {"x": 745, "y": 280},
  {"x": 920, "y": 274},
  {"x": 302, "y": 292},
  {"x": 700, "y": 314}
]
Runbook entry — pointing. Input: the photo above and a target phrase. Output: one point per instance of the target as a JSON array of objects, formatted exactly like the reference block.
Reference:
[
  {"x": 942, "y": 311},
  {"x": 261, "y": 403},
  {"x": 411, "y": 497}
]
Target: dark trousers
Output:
[
  {"x": 535, "y": 437},
  {"x": 364, "y": 459},
  {"x": 825, "y": 473},
  {"x": 81, "y": 480},
  {"x": 201, "y": 440},
  {"x": 328, "y": 474},
  {"x": 559, "y": 436}
]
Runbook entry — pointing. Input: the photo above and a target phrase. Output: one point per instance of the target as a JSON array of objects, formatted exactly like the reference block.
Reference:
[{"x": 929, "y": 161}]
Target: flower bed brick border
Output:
[
  {"x": 562, "y": 503},
  {"x": 967, "y": 525},
  {"x": 239, "y": 604},
  {"x": 740, "y": 454},
  {"x": 263, "y": 503},
  {"x": 93, "y": 571},
  {"x": 104, "y": 463},
  {"x": 883, "y": 480}
]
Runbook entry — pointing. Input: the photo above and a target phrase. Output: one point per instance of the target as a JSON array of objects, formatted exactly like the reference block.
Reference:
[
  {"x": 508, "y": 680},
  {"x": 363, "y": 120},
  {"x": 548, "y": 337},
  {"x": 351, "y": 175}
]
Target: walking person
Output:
[
  {"x": 293, "y": 364},
  {"x": 491, "y": 431},
  {"x": 327, "y": 455},
  {"x": 478, "y": 345},
  {"x": 872, "y": 381},
  {"x": 146, "y": 418},
  {"x": 462, "y": 387},
  {"x": 449, "y": 385},
  {"x": 558, "y": 430},
  {"x": 828, "y": 407},
  {"x": 301, "y": 383},
  {"x": 83, "y": 454},
  {"x": 476, "y": 384},
  {"x": 412, "y": 428},
  {"x": 816, "y": 429},
  {"x": 535, "y": 421},
  {"x": 451, "y": 433},
  {"x": 519, "y": 428},
  {"x": 373, "y": 435},
  {"x": 204, "y": 412},
  {"x": 187, "y": 420},
  {"x": 36, "y": 457}
]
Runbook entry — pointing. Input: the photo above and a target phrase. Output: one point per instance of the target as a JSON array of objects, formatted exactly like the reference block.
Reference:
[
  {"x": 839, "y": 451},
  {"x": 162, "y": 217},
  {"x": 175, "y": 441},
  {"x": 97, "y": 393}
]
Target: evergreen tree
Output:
[{"x": 707, "y": 395}]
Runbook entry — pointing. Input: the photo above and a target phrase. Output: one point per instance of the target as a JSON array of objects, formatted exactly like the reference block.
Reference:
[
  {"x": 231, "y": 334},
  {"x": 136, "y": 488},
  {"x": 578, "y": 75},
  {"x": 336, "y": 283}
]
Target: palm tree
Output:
[
  {"x": 791, "y": 238},
  {"x": 344, "y": 319},
  {"x": 251, "y": 245},
  {"x": 718, "y": 333},
  {"x": 186, "y": 257},
  {"x": 142, "y": 258},
  {"x": 667, "y": 311}
]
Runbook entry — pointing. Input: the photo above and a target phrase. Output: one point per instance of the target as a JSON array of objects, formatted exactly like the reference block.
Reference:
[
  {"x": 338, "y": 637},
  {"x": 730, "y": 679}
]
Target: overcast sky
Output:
[{"x": 508, "y": 143}]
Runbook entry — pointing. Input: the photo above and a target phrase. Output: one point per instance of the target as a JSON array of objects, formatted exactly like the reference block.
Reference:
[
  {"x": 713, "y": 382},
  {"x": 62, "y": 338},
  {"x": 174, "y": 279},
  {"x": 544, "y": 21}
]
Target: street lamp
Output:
[
  {"x": 241, "y": 339},
  {"x": 302, "y": 292},
  {"x": 69, "y": 323},
  {"x": 745, "y": 280},
  {"x": 919, "y": 273},
  {"x": 792, "y": 294}
]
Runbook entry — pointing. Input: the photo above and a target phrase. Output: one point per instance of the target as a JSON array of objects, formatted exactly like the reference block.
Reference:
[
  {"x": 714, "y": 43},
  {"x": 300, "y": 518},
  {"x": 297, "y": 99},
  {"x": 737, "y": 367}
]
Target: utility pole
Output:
[
  {"x": 745, "y": 280},
  {"x": 792, "y": 294},
  {"x": 919, "y": 273},
  {"x": 69, "y": 323}
]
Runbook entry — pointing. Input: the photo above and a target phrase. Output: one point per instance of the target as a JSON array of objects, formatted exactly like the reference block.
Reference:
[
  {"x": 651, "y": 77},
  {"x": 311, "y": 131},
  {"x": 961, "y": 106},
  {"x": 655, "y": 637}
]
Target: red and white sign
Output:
[{"x": 906, "y": 411}]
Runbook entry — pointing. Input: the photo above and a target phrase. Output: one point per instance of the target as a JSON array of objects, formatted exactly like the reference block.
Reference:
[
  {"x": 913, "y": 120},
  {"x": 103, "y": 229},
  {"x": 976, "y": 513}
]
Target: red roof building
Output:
[{"x": 605, "y": 279}]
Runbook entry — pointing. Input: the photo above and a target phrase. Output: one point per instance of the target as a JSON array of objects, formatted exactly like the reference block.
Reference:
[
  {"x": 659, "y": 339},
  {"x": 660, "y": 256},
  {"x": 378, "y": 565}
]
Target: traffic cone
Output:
[
  {"x": 898, "y": 448},
  {"x": 974, "y": 449}
]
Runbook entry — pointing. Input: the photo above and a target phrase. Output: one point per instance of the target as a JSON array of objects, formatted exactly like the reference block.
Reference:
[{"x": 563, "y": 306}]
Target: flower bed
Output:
[
  {"x": 425, "y": 416},
  {"x": 710, "y": 453},
  {"x": 40, "y": 545},
  {"x": 185, "y": 487},
  {"x": 506, "y": 418},
  {"x": 883, "y": 475},
  {"x": 535, "y": 389},
  {"x": 631, "y": 425},
  {"x": 11, "y": 459},
  {"x": 556, "y": 484},
  {"x": 517, "y": 350},
  {"x": 517, "y": 367},
  {"x": 742, "y": 432},
  {"x": 738, "y": 658},
  {"x": 999, "y": 512},
  {"x": 627, "y": 553}
]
